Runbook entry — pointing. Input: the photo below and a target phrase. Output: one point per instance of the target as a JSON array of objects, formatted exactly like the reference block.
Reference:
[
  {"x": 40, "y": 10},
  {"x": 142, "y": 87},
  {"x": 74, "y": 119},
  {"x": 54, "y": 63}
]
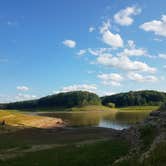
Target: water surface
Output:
[{"x": 109, "y": 119}]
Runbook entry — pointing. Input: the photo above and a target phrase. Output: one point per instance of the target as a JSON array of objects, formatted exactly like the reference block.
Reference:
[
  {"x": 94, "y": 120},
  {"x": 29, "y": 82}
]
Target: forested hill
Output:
[
  {"x": 67, "y": 100},
  {"x": 82, "y": 98},
  {"x": 135, "y": 98}
]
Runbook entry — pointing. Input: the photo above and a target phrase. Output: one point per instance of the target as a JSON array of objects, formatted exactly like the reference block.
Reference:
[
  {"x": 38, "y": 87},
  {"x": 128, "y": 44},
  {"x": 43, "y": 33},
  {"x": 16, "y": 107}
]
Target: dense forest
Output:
[
  {"x": 68, "y": 99},
  {"x": 137, "y": 98},
  {"x": 82, "y": 98}
]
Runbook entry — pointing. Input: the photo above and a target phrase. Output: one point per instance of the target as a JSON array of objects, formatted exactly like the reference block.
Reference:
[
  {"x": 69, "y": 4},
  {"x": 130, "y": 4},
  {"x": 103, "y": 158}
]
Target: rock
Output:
[{"x": 155, "y": 113}]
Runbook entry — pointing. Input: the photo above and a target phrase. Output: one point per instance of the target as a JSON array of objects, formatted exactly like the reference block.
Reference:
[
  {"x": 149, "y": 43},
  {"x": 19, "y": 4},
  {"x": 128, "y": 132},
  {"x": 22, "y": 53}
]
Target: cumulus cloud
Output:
[
  {"x": 124, "y": 63},
  {"x": 156, "y": 26},
  {"x": 124, "y": 16},
  {"x": 22, "y": 88},
  {"x": 131, "y": 44},
  {"x": 22, "y": 97},
  {"x": 162, "y": 56},
  {"x": 109, "y": 38},
  {"x": 69, "y": 43},
  {"x": 140, "y": 78},
  {"x": 99, "y": 51},
  {"x": 132, "y": 50},
  {"x": 91, "y": 29},
  {"x": 81, "y": 52},
  {"x": 81, "y": 87},
  {"x": 113, "y": 79}
]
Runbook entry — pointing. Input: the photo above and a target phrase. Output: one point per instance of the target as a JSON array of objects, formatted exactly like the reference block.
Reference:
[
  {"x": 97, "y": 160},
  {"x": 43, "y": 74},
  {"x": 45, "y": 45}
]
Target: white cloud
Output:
[
  {"x": 82, "y": 87},
  {"x": 133, "y": 52},
  {"x": 69, "y": 43},
  {"x": 22, "y": 88},
  {"x": 163, "y": 56},
  {"x": 21, "y": 97},
  {"x": 111, "y": 79},
  {"x": 140, "y": 78},
  {"x": 156, "y": 26},
  {"x": 107, "y": 93},
  {"x": 124, "y": 63},
  {"x": 109, "y": 38},
  {"x": 131, "y": 44},
  {"x": 91, "y": 29},
  {"x": 81, "y": 52},
  {"x": 90, "y": 71},
  {"x": 17, "y": 97},
  {"x": 124, "y": 16}
]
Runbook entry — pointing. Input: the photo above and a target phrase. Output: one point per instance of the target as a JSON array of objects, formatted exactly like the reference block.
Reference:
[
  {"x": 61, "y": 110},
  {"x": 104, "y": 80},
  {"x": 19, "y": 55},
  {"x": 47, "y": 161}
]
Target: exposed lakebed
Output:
[{"x": 109, "y": 119}]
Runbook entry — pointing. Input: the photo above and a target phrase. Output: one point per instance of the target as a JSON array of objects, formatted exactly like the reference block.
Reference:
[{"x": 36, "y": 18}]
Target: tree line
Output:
[
  {"x": 83, "y": 98},
  {"x": 137, "y": 98},
  {"x": 67, "y": 100}
]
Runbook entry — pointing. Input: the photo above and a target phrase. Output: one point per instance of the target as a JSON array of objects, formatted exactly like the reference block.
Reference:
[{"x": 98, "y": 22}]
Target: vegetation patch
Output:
[
  {"x": 162, "y": 107},
  {"x": 157, "y": 157},
  {"x": 139, "y": 108},
  {"x": 137, "y": 98},
  {"x": 17, "y": 119},
  {"x": 66, "y": 100},
  {"x": 147, "y": 135},
  {"x": 101, "y": 153}
]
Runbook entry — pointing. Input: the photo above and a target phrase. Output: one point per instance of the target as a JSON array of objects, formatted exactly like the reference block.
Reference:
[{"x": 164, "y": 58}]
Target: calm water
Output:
[{"x": 115, "y": 120}]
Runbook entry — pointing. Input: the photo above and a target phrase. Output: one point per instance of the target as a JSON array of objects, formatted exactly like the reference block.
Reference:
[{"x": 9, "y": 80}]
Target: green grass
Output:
[
  {"x": 97, "y": 154},
  {"x": 138, "y": 108},
  {"x": 157, "y": 157},
  {"x": 81, "y": 108},
  {"x": 92, "y": 108},
  {"x": 147, "y": 135}
]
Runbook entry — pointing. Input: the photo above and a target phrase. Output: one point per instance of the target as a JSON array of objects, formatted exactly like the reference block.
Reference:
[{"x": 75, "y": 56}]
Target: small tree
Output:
[
  {"x": 163, "y": 107},
  {"x": 111, "y": 105}
]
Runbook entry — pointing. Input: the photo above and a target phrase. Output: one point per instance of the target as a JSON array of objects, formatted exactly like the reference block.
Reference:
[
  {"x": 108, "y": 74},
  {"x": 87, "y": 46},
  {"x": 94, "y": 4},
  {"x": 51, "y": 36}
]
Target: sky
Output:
[{"x": 106, "y": 47}]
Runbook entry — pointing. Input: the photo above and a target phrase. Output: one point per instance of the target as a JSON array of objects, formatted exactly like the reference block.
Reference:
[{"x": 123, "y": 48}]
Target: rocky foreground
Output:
[
  {"x": 148, "y": 142},
  {"x": 145, "y": 141}
]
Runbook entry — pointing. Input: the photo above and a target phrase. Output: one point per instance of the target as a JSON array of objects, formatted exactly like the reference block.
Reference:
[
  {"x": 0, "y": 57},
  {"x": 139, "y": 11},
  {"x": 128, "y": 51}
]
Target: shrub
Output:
[{"x": 111, "y": 105}]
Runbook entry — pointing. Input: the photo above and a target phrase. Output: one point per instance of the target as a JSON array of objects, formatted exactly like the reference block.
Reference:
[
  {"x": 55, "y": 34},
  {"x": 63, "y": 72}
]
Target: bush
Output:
[
  {"x": 163, "y": 107},
  {"x": 111, "y": 105}
]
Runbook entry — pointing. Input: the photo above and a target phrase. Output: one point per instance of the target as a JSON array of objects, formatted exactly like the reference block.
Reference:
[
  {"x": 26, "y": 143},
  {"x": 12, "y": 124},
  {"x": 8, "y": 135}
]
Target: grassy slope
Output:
[
  {"x": 99, "y": 108},
  {"x": 83, "y": 108},
  {"x": 98, "y": 154},
  {"x": 138, "y": 108},
  {"x": 15, "y": 118}
]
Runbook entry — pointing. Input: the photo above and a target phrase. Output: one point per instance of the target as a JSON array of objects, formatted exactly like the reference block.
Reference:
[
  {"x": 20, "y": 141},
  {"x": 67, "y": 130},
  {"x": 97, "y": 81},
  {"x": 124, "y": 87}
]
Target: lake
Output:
[{"x": 109, "y": 119}]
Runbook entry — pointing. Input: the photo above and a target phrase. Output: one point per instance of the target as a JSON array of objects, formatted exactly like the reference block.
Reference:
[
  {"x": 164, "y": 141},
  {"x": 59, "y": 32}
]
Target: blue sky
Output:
[{"x": 106, "y": 47}]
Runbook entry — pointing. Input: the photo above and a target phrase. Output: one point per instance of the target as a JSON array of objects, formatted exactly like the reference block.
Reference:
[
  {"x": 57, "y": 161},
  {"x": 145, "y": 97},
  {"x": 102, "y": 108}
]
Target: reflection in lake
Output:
[{"x": 109, "y": 119}]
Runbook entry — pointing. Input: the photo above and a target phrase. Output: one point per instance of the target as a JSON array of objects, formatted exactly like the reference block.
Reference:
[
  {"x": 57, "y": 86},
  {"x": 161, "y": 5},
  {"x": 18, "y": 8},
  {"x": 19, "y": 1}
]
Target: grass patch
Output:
[
  {"x": 19, "y": 119},
  {"x": 82, "y": 108},
  {"x": 157, "y": 157},
  {"x": 97, "y": 154},
  {"x": 147, "y": 136},
  {"x": 139, "y": 108},
  {"x": 92, "y": 108}
]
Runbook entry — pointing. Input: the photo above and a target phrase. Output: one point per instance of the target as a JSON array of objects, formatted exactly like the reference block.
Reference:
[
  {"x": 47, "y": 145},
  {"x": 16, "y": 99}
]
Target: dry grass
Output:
[{"x": 17, "y": 119}]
